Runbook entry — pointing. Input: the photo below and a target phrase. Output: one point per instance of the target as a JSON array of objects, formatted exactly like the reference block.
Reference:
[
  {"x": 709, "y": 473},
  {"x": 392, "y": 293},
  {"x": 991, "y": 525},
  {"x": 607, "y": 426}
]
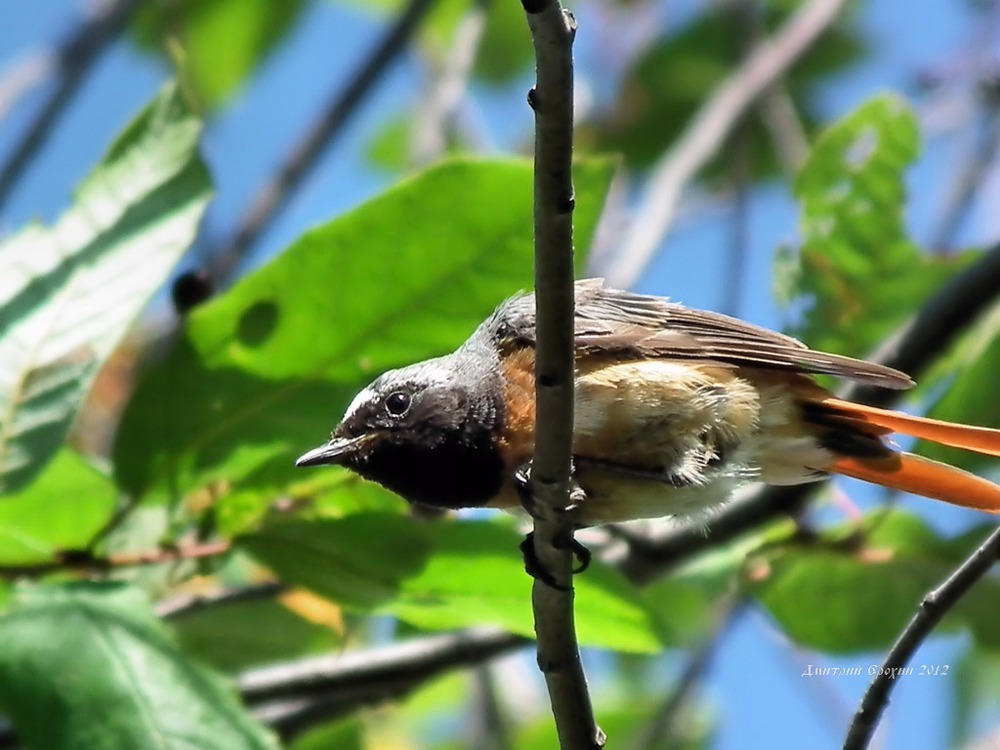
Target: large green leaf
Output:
[
  {"x": 858, "y": 273},
  {"x": 841, "y": 599},
  {"x": 223, "y": 40},
  {"x": 360, "y": 561},
  {"x": 266, "y": 369},
  {"x": 476, "y": 575},
  {"x": 444, "y": 575},
  {"x": 87, "y": 667},
  {"x": 70, "y": 292},
  {"x": 247, "y": 634}
]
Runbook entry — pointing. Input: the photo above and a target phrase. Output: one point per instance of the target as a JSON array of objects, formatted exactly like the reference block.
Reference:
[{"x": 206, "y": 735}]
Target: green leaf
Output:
[
  {"x": 444, "y": 575},
  {"x": 841, "y": 600},
  {"x": 223, "y": 41},
  {"x": 69, "y": 503},
  {"x": 360, "y": 561},
  {"x": 267, "y": 369},
  {"x": 859, "y": 275},
  {"x": 346, "y": 734},
  {"x": 69, "y": 293},
  {"x": 246, "y": 634},
  {"x": 87, "y": 667},
  {"x": 475, "y": 576}
]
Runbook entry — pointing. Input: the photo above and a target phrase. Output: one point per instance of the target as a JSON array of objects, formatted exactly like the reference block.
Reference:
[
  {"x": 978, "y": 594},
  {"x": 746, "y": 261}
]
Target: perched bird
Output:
[{"x": 674, "y": 408}]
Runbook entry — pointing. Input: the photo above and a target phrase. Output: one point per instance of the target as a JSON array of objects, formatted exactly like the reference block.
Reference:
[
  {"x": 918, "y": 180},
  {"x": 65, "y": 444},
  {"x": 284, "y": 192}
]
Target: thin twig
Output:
[
  {"x": 273, "y": 197},
  {"x": 933, "y": 607},
  {"x": 435, "y": 115},
  {"x": 490, "y": 728},
  {"x": 912, "y": 349},
  {"x": 75, "y": 59},
  {"x": 662, "y": 731},
  {"x": 82, "y": 560},
  {"x": 552, "y": 31},
  {"x": 22, "y": 76},
  {"x": 784, "y": 126},
  {"x": 709, "y": 129},
  {"x": 969, "y": 180}
]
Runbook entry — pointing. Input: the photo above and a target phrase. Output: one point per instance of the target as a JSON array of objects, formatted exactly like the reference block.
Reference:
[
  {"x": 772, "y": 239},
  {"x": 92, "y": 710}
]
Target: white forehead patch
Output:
[{"x": 366, "y": 396}]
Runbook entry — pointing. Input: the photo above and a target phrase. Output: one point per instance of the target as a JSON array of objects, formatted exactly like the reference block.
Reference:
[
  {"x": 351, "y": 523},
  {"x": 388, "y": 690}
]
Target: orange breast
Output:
[{"x": 517, "y": 443}]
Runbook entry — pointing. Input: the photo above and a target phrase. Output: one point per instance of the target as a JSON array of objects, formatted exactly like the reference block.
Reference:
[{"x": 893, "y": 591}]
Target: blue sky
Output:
[{"x": 756, "y": 688}]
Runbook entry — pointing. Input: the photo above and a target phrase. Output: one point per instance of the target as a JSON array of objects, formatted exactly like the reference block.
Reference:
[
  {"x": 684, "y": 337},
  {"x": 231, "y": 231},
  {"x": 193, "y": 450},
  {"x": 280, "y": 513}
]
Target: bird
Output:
[{"x": 675, "y": 407}]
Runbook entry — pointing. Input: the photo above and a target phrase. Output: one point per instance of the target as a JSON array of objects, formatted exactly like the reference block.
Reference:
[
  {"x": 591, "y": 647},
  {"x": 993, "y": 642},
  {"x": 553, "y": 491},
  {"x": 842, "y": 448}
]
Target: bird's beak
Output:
[{"x": 331, "y": 453}]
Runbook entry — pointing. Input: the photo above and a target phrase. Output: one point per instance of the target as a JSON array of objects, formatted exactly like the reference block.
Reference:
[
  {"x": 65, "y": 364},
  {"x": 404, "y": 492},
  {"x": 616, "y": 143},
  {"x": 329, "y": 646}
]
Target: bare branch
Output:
[
  {"x": 788, "y": 135},
  {"x": 273, "y": 197},
  {"x": 969, "y": 179},
  {"x": 933, "y": 607},
  {"x": 84, "y": 560},
  {"x": 709, "y": 129},
  {"x": 435, "y": 115},
  {"x": 552, "y": 31},
  {"x": 75, "y": 59},
  {"x": 294, "y": 696}
]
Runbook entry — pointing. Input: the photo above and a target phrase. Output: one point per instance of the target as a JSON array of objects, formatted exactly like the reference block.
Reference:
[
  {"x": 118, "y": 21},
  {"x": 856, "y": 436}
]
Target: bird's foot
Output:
[
  {"x": 534, "y": 567},
  {"x": 522, "y": 483}
]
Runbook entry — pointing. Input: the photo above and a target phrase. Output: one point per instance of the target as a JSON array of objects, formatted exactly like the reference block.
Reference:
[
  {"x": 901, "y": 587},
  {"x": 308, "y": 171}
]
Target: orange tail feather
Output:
[
  {"x": 979, "y": 439},
  {"x": 923, "y": 476}
]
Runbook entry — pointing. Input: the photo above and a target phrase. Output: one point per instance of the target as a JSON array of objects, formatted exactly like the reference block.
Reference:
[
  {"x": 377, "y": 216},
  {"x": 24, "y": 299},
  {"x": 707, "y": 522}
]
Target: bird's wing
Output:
[{"x": 620, "y": 324}]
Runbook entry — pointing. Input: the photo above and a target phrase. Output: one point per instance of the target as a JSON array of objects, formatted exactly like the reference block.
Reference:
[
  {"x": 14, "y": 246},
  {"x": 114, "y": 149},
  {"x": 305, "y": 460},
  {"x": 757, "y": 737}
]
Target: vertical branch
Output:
[{"x": 552, "y": 31}]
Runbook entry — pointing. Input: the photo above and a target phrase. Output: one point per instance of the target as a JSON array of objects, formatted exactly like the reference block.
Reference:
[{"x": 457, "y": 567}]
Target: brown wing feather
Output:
[{"x": 621, "y": 324}]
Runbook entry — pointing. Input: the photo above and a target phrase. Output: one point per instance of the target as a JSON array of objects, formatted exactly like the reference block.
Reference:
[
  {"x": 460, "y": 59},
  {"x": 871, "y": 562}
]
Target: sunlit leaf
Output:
[
  {"x": 68, "y": 293},
  {"x": 69, "y": 503}
]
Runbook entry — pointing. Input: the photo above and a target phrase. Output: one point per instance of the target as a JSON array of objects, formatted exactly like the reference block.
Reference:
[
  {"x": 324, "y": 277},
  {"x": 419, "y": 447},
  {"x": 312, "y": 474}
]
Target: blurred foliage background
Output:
[{"x": 221, "y": 218}]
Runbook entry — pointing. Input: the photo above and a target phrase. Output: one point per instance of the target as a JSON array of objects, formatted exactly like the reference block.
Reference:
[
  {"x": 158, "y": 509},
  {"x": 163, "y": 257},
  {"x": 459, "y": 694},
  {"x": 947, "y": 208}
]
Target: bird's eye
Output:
[{"x": 398, "y": 403}]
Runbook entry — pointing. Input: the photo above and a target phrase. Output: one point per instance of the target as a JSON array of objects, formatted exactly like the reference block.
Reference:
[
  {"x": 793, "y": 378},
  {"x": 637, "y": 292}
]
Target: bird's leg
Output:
[
  {"x": 532, "y": 565},
  {"x": 635, "y": 472}
]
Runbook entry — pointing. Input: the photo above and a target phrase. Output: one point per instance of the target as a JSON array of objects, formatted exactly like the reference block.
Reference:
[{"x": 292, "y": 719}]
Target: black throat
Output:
[
  {"x": 448, "y": 454},
  {"x": 458, "y": 469}
]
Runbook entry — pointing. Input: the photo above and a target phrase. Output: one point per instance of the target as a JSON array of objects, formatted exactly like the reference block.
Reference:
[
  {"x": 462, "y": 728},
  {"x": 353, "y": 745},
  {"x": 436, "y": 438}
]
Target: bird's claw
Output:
[
  {"x": 534, "y": 568},
  {"x": 522, "y": 483}
]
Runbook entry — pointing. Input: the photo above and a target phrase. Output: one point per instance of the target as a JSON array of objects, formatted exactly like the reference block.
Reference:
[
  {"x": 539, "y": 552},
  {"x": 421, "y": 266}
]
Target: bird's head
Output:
[{"x": 427, "y": 432}]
